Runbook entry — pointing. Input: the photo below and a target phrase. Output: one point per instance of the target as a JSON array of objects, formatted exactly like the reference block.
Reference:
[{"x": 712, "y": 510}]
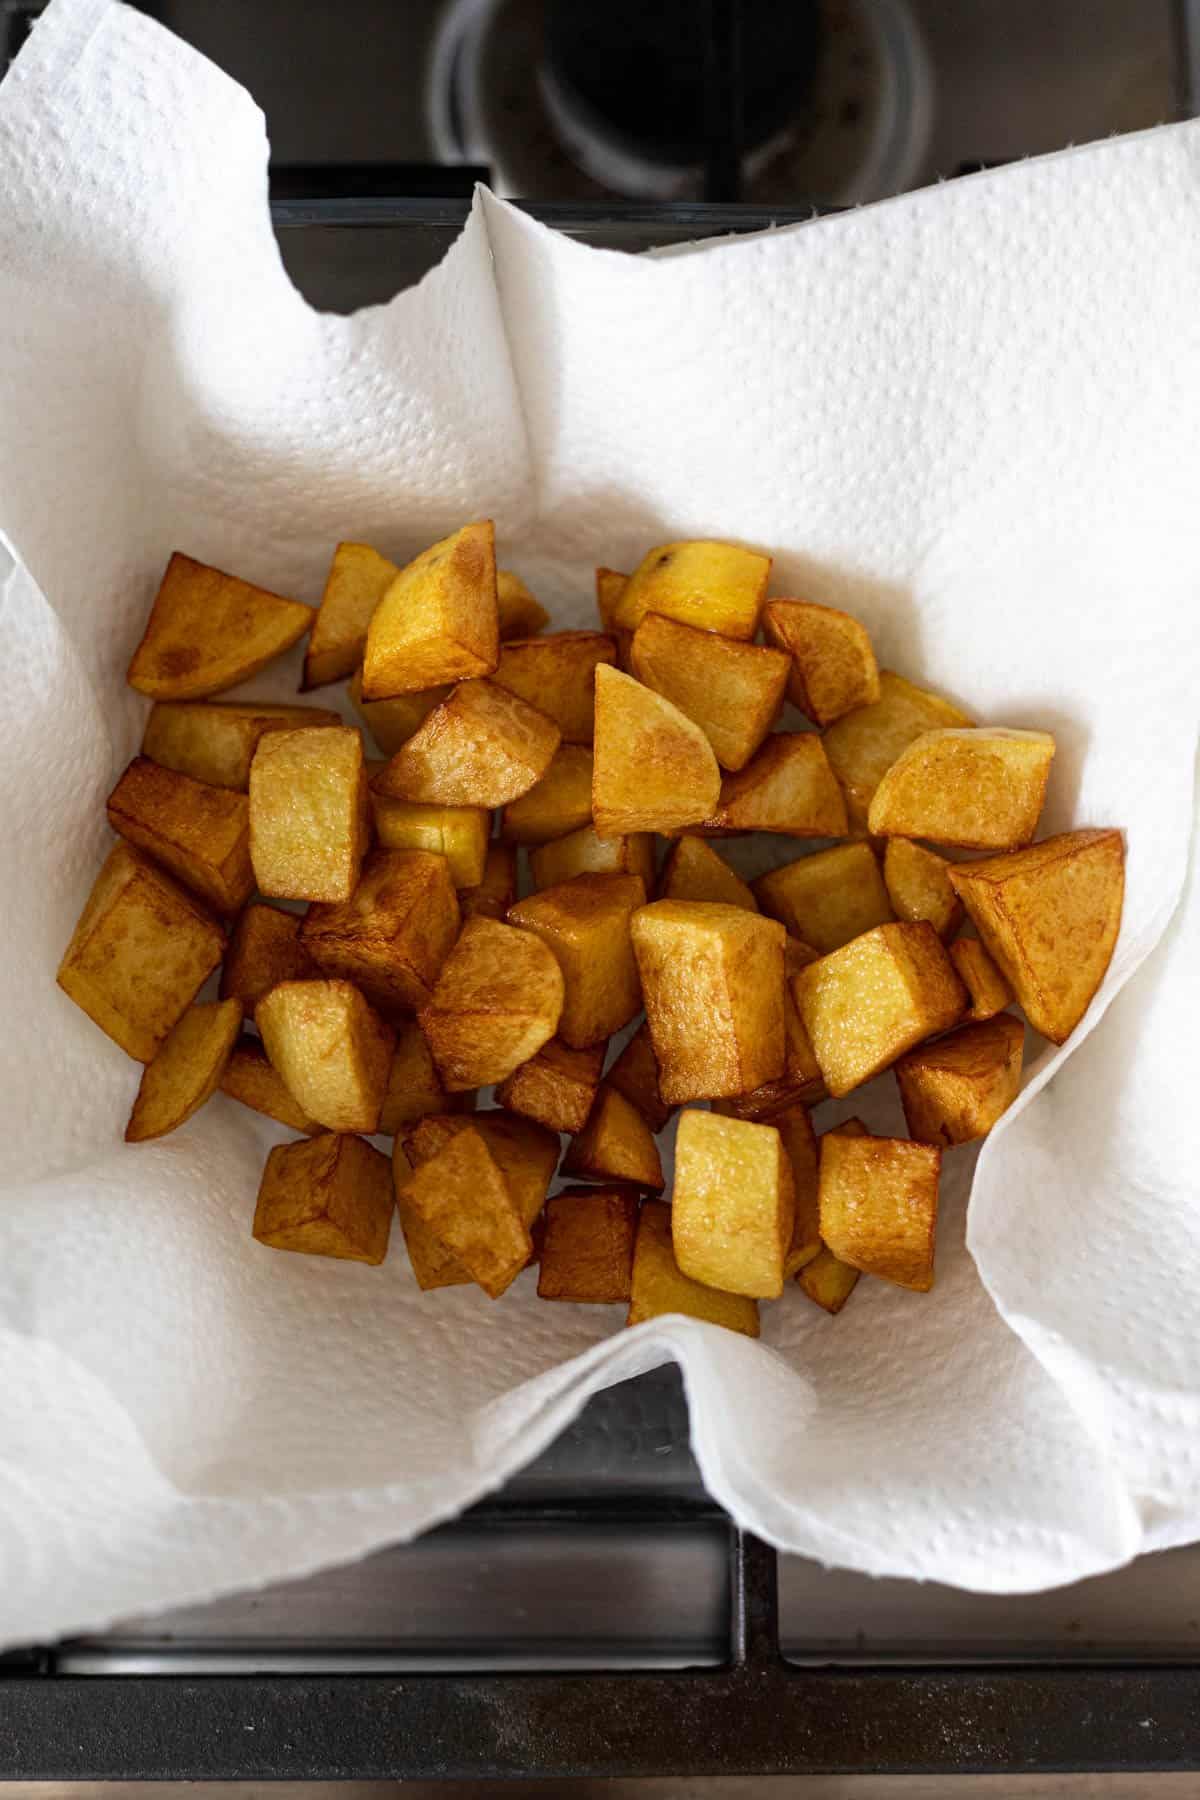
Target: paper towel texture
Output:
[{"x": 971, "y": 415}]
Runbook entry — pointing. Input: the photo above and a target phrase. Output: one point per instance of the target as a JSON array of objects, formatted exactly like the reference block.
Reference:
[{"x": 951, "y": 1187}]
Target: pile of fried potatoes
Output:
[{"x": 413, "y": 975}]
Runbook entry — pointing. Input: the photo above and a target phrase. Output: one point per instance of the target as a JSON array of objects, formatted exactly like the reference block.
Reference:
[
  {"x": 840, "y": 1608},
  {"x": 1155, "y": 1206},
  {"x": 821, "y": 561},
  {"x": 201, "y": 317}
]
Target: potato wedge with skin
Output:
[
  {"x": 309, "y": 819},
  {"x": 583, "y": 853},
  {"x": 918, "y": 885},
  {"x": 863, "y": 744},
  {"x": 521, "y": 615},
  {"x": 433, "y": 1266},
  {"x": 561, "y": 802},
  {"x": 358, "y": 579},
  {"x": 712, "y": 980},
  {"x": 635, "y": 1076},
  {"x": 587, "y": 1255},
  {"x": 789, "y": 788},
  {"x": 795, "y": 1129},
  {"x": 332, "y": 1049},
  {"x": 694, "y": 871},
  {"x": 264, "y": 950},
  {"x": 186, "y": 1071},
  {"x": 659, "y": 1285},
  {"x": 733, "y": 1204},
  {"x": 249, "y": 1078},
  {"x": 980, "y": 789},
  {"x": 327, "y": 1196},
  {"x": 867, "y": 1003},
  {"x": 610, "y": 585},
  {"x": 1049, "y": 916},
  {"x": 832, "y": 665},
  {"x": 393, "y": 935},
  {"x": 878, "y": 1200},
  {"x": 525, "y": 1153},
  {"x": 827, "y": 898},
  {"x": 207, "y": 631},
  {"x": 585, "y": 922},
  {"x": 557, "y": 674},
  {"x": 214, "y": 741},
  {"x": 392, "y": 722},
  {"x": 462, "y": 1196},
  {"x": 732, "y": 690},
  {"x": 652, "y": 769},
  {"x": 414, "y": 1090},
  {"x": 989, "y": 991},
  {"x": 556, "y": 1087},
  {"x": 438, "y": 620},
  {"x": 481, "y": 747},
  {"x": 201, "y": 834},
  {"x": 954, "y": 1090},
  {"x": 615, "y": 1145},
  {"x": 828, "y": 1281},
  {"x": 460, "y": 834},
  {"x": 499, "y": 998},
  {"x": 712, "y": 585},
  {"x": 498, "y": 888}
]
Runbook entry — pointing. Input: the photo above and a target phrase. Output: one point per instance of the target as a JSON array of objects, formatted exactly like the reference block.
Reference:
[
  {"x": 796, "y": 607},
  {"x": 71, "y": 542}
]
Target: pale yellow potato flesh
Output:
[
  {"x": 832, "y": 665},
  {"x": 704, "y": 582},
  {"x": 918, "y": 884},
  {"x": 827, "y": 1280},
  {"x": 733, "y": 1204},
  {"x": 862, "y": 745},
  {"x": 583, "y": 853},
  {"x": 978, "y": 789},
  {"x": 438, "y": 620},
  {"x": 358, "y": 579},
  {"x": 560, "y": 803},
  {"x": 186, "y": 1071},
  {"x": 332, "y": 1049},
  {"x": 459, "y": 833},
  {"x": 653, "y": 769},
  {"x": 788, "y": 788},
  {"x": 585, "y": 922},
  {"x": 392, "y": 722},
  {"x": 481, "y": 747},
  {"x": 732, "y": 690},
  {"x": 557, "y": 674},
  {"x": 309, "y": 822},
  {"x": 827, "y": 898},
  {"x": 326, "y": 1196},
  {"x": 207, "y": 631},
  {"x": 215, "y": 740},
  {"x": 660, "y": 1287}
]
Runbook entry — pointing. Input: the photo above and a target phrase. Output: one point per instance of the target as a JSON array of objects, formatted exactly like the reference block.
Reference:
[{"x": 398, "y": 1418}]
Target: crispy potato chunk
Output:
[
  {"x": 559, "y": 803},
  {"x": 832, "y": 665},
  {"x": 327, "y": 1196},
  {"x": 438, "y": 620},
  {"x": 394, "y": 933},
  {"x": 264, "y": 950},
  {"x": 694, "y": 871},
  {"x": 498, "y": 888},
  {"x": 583, "y": 853},
  {"x": 525, "y": 1154},
  {"x": 432, "y": 1264},
  {"x": 788, "y": 788},
  {"x": 712, "y": 585},
  {"x": 878, "y": 1199},
  {"x": 795, "y": 1129},
  {"x": 458, "y": 833},
  {"x": 801, "y": 1083},
  {"x": 1049, "y": 916},
  {"x": 733, "y": 1204},
  {"x": 828, "y": 1281},
  {"x": 498, "y": 1000},
  {"x": 653, "y": 769},
  {"x": 461, "y": 1194},
  {"x": 392, "y": 722},
  {"x": 989, "y": 991},
  {"x": 659, "y": 1285},
  {"x": 955, "y": 1090},
  {"x": 610, "y": 585},
  {"x": 332, "y": 1049},
  {"x": 827, "y": 898},
  {"x": 556, "y": 1087},
  {"x": 309, "y": 821},
  {"x": 414, "y": 1089},
  {"x": 918, "y": 885},
  {"x": 588, "y": 1252},
  {"x": 357, "y": 581},
  {"x": 585, "y": 922},
  {"x": 481, "y": 747},
  {"x": 863, "y": 744},
  {"x": 557, "y": 674},
  {"x": 521, "y": 615},
  {"x": 635, "y": 1075},
  {"x": 186, "y": 1071},
  {"x": 867, "y": 1003},
  {"x": 200, "y": 833},
  {"x": 615, "y": 1145},
  {"x": 731, "y": 690},
  {"x": 215, "y": 741},
  {"x": 140, "y": 951},
  {"x": 980, "y": 789},
  {"x": 207, "y": 631},
  {"x": 249, "y": 1078},
  {"x": 712, "y": 977}
]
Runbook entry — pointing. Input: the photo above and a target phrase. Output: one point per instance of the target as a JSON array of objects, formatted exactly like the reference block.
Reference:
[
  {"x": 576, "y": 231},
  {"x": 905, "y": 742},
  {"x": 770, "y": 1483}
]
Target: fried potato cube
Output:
[
  {"x": 521, "y": 616},
  {"x": 432, "y": 1264},
  {"x": 186, "y": 1070},
  {"x": 583, "y": 853},
  {"x": 139, "y": 953},
  {"x": 863, "y": 744},
  {"x": 867, "y": 1003},
  {"x": 714, "y": 586},
  {"x": 392, "y": 722},
  {"x": 327, "y": 1196},
  {"x": 264, "y": 950},
  {"x": 556, "y": 1087},
  {"x": 918, "y": 885},
  {"x": 499, "y": 998},
  {"x": 635, "y": 1076},
  {"x": 788, "y": 788},
  {"x": 1049, "y": 916},
  {"x": 585, "y": 922},
  {"x": 309, "y": 821},
  {"x": 525, "y": 1154},
  {"x": 660, "y": 1287},
  {"x": 732, "y": 690},
  {"x": 332, "y": 1049},
  {"x": 481, "y": 747},
  {"x": 561, "y": 802},
  {"x": 981, "y": 789},
  {"x": 358, "y": 579},
  {"x": 954, "y": 1090},
  {"x": 461, "y": 1194},
  {"x": 215, "y": 741},
  {"x": 653, "y": 768},
  {"x": 827, "y": 898},
  {"x": 587, "y": 1255},
  {"x": 733, "y": 1204},
  {"x": 989, "y": 991},
  {"x": 438, "y": 620},
  {"x": 498, "y": 888},
  {"x": 414, "y": 1089},
  {"x": 459, "y": 834},
  {"x": 615, "y": 1145},
  {"x": 828, "y": 1281},
  {"x": 878, "y": 1200},
  {"x": 249, "y": 1078},
  {"x": 200, "y": 833},
  {"x": 832, "y": 664},
  {"x": 610, "y": 585},
  {"x": 795, "y": 1129},
  {"x": 694, "y": 871},
  {"x": 801, "y": 1083},
  {"x": 394, "y": 933},
  {"x": 207, "y": 631},
  {"x": 557, "y": 674}
]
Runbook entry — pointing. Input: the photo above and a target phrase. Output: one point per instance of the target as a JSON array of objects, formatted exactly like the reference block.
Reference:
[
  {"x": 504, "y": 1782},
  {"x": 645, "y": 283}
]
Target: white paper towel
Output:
[{"x": 971, "y": 415}]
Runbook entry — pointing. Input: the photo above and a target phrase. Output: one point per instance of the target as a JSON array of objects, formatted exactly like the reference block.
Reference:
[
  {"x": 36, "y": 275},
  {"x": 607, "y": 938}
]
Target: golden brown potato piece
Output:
[
  {"x": 498, "y": 1000},
  {"x": 733, "y": 1204},
  {"x": 833, "y": 667},
  {"x": 731, "y": 690},
  {"x": 186, "y": 1071},
  {"x": 712, "y": 977},
  {"x": 653, "y": 769},
  {"x": 615, "y": 1145},
  {"x": 498, "y": 888},
  {"x": 309, "y": 819},
  {"x": 357, "y": 581},
  {"x": 659, "y": 1285},
  {"x": 140, "y": 951},
  {"x": 955, "y": 1090},
  {"x": 714, "y": 586},
  {"x": 481, "y": 747},
  {"x": 414, "y": 1090},
  {"x": 635, "y": 1076},
  {"x": 264, "y": 950},
  {"x": 795, "y": 1128},
  {"x": 438, "y": 620},
  {"x": 432, "y": 1264},
  {"x": 525, "y": 1154},
  {"x": 588, "y": 1252},
  {"x": 458, "y": 833},
  {"x": 585, "y": 922},
  {"x": 828, "y": 1281},
  {"x": 867, "y": 1003},
  {"x": 462, "y": 1196},
  {"x": 328, "y": 1196},
  {"x": 394, "y": 933},
  {"x": 863, "y": 744},
  {"x": 556, "y": 1087},
  {"x": 332, "y": 1049},
  {"x": 918, "y": 885},
  {"x": 521, "y": 615},
  {"x": 583, "y": 853},
  {"x": 249, "y": 1078},
  {"x": 989, "y": 991},
  {"x": 979, "y": 789},
  {"x": 559, "y": 803},
  {"x": 788, "y": 788},
  {"x": 392, "y": 722},
  {"x": 879, "y": 1199},
  {"x": 207, "y": 631},
  {"x": 694, "y": 871},
  {"x": 215, "y": 741},
  {"x": 610, "y": 585},
  {"x": 801, "y": 1083},
  {"x": 557, "y": 674},
  {"x": 1050, "y": 915},
  {"x": 200, "y": 833},
  {"x": 827, "y": 898}
]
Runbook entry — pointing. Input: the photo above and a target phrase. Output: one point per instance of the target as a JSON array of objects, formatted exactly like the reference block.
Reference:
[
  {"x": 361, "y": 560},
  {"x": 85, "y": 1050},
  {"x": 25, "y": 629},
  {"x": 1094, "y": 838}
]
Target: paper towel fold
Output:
[{"x": 973, "y": 416}]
